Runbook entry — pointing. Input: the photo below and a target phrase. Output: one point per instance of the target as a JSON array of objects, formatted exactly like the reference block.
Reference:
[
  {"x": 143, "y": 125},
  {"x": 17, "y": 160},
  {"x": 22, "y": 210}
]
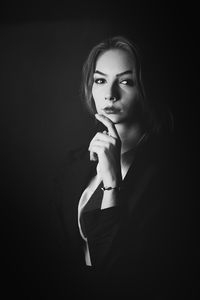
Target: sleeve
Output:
[
  {"x": 101, "y": 228},
  {"x": 139, "y": 245},
  {"x": 62, "y": 214}
]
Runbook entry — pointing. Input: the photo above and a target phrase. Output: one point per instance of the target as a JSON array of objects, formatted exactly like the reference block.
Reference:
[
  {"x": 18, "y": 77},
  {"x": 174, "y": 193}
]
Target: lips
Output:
[{"x": 111, "y": 110}]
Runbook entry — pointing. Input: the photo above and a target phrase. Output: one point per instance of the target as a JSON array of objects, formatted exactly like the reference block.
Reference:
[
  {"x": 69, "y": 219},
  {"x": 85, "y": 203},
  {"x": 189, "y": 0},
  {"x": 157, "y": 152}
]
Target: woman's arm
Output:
[{"x": 106, "y": 148}]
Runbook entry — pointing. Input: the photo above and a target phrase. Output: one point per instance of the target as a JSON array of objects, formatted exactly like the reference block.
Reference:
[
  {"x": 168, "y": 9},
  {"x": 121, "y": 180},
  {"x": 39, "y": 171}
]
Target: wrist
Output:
[
  {"x": 112, "y": 182},
  {"x": 110, "y": 198}
]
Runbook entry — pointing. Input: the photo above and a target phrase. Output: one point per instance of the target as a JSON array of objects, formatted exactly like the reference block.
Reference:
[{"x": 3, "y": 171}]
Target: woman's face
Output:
[{"x": 115, "y": 87}]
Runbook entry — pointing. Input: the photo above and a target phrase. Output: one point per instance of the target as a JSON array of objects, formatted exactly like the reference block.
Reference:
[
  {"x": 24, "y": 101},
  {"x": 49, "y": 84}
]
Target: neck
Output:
[{"x": 129, "y": 134}]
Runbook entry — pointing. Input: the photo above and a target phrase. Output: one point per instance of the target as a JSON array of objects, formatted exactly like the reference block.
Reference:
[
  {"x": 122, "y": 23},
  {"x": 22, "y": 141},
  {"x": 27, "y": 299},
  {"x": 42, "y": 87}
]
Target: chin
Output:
[{"x": 114, "y": 118}]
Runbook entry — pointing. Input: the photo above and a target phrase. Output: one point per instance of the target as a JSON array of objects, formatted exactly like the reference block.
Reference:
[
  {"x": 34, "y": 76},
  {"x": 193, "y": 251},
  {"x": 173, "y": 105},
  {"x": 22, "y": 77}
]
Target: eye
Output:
[
  {"x": 99, "y": 80},
  {"x": 127, "y": 82}
]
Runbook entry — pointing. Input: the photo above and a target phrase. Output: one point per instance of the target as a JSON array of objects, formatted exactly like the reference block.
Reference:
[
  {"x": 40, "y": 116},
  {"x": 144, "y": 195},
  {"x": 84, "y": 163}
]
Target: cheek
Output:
[
  {"x": 95, "y": 99},
  {"x": 96, "y": 96},
  {"x": 130, "y": 98},
  {"x": 135, "y": 104}
]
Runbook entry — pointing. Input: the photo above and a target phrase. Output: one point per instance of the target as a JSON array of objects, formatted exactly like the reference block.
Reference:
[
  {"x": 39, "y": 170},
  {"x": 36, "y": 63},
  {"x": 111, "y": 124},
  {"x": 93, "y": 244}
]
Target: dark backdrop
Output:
[{"x": 42, "y": 51}]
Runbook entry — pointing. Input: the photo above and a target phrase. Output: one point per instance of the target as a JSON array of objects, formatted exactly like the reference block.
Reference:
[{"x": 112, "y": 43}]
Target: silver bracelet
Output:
[{"x": 111, "y": 188}]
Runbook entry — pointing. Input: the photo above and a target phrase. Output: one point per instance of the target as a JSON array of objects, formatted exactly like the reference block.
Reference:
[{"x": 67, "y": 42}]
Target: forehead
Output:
[{"x": 115, "y": 61}]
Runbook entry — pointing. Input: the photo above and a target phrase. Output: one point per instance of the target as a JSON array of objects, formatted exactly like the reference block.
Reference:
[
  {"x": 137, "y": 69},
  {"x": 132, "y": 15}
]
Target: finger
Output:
[
  {"x": 109, "y": 124},
  {"x": 99, "y": 136},
  {"x": 104, "y": 137},
  {"x": 93, "y": 156},
  {"x": 102, "y": 145},
  {"x": 101, "y": 152},
  {"x": 97, "y": 151}
]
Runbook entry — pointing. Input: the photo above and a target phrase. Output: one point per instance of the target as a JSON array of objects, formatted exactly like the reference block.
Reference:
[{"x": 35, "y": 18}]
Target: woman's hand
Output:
[{"x": 107, "y": 147}]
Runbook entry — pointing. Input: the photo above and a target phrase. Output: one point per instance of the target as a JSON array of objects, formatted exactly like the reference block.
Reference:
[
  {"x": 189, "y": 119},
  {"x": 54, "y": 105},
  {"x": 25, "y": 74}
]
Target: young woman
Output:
[{"x": 116, "y": 201}]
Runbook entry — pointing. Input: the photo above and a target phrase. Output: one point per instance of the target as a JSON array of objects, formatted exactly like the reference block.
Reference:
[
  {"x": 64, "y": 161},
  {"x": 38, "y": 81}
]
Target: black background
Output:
[{"x": 43, "y": 47}]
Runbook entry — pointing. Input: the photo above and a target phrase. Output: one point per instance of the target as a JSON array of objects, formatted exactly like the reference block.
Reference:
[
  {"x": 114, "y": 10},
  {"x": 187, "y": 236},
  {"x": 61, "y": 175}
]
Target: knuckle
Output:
[{"x": 99, "y": 135}]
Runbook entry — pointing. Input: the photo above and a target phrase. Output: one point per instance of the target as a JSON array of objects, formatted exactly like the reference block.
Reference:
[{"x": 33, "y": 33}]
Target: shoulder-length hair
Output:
[{"x": 147, "y": 114}]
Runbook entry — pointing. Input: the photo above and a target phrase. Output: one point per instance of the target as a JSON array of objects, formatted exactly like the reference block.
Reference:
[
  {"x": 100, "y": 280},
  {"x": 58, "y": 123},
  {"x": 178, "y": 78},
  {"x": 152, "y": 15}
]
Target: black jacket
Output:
[{"x": 135, "y": 247}]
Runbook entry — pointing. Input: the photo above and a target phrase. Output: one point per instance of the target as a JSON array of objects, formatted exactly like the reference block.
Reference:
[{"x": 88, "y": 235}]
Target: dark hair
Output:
[{"x": 146, "y": 113}]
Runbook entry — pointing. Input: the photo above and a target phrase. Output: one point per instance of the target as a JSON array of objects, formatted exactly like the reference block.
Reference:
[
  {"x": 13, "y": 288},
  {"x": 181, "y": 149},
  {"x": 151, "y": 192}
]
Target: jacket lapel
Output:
[
  {"x": 77, "y": 176},
  {"x": 138, "y": 176}
]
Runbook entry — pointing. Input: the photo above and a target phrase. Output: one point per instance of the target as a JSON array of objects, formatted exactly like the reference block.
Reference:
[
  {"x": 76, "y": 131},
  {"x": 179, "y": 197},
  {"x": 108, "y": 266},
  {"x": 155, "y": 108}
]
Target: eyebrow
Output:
[{"x": 120, "y": 74}]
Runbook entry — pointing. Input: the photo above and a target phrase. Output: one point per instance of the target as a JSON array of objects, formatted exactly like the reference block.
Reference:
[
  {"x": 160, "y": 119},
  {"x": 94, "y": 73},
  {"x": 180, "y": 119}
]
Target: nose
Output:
[
  {"x": 112, "y": 93},
  {"x": 111, "y": 98}
]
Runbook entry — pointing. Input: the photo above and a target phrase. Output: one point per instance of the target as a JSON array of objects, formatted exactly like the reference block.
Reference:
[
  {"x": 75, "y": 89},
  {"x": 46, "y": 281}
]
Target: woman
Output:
[{"x": 115, "y": 194}]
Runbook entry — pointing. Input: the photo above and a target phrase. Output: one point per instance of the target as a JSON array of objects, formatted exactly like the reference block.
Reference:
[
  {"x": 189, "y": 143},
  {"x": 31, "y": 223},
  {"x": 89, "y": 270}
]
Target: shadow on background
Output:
[{"x": 42, "y": 52}]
